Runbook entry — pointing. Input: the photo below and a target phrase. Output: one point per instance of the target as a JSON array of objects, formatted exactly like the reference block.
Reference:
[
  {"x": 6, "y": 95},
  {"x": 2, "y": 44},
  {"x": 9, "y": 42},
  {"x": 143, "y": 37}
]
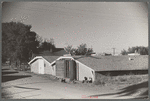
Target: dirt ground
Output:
[{"x": 26, "y": 85}]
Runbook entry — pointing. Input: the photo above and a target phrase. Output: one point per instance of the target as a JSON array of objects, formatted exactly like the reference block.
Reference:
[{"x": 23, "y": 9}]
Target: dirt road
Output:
[{"x": 23, "y": 85}]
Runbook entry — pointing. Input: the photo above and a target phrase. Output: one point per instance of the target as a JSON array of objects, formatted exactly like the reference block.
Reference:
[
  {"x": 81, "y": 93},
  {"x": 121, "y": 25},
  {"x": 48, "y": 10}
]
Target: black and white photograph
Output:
[{"x": 74, "y": 50}]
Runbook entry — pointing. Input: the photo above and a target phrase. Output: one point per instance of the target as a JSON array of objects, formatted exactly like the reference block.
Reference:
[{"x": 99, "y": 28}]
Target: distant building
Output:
[
  {"x": 135, "y": 53},
  {"x": 91, "y": 53},
  {"x": 94, "y": 54},
  {"x": 107, "y": 54}
]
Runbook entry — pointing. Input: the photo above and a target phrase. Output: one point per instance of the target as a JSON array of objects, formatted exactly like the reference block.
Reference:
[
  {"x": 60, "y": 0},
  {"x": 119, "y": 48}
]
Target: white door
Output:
[{"x": 41, "y": 66}]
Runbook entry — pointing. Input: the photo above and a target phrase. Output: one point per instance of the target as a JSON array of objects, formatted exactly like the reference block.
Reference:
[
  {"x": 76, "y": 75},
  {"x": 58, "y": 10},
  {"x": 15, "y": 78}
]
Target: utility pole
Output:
[{"x": 113, "y": 51}]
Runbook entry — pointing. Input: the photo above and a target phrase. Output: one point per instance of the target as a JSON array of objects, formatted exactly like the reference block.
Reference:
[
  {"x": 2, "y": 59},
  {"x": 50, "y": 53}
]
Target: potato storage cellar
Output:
[
  {"x": 62, "y": 67},
  {"x": 77, "y": 68},
  {"x": 70, "y": 68},
  {"x": 66, "y": 69}
]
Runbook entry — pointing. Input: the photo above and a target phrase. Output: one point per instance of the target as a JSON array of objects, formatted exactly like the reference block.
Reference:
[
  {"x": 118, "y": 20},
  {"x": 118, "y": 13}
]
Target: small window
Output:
[{"x": 44, "y": 65}]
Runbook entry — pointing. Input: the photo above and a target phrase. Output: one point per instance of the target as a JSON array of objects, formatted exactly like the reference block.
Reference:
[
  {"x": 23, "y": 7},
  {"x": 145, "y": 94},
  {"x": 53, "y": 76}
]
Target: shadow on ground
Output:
[
  {"x": 130, "y": 90},
  {"x": 10, "y": 78},
  {"x": 26, "y": 88},
  {"x": 123, "y": 72},
  {"x": 8, "y": 72},
  {"x": 4, "y": 69},
  {"x": 6, "y": 78}
]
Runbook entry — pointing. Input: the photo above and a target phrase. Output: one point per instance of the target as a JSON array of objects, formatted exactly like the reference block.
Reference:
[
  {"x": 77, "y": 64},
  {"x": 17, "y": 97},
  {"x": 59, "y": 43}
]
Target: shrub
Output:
[
  {"x": 130, "y": 79},
  {"x": 122, "y": 78},
  {"x": 139, "y": 49},
  {"x": 102, "y": 79},
  {"x": 134, "y": 79}
]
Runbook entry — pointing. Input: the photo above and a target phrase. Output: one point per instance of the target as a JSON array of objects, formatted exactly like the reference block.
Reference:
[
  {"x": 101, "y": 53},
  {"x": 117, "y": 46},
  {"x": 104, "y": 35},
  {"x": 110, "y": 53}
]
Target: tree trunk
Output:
[
  {"x": 18, "y": 65},
  {"x": 10, "y": 64}
]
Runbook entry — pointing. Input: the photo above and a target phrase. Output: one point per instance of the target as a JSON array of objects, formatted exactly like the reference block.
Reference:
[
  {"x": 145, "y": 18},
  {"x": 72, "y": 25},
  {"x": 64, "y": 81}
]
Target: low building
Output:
[
  {"x": 135, "y": 53},
  {"x": 41, "y": 63},
  {"x": 79, "y": 67},
  {"x": 132, "y": 54},
  {"x": 61, "y": 67}
]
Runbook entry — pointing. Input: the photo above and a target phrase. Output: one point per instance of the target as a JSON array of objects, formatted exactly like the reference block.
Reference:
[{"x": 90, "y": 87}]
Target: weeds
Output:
[
  {"x": 125, "y": 79},
  {"x": 102, "y": 79},
  {"x": 122, "y": 78}
]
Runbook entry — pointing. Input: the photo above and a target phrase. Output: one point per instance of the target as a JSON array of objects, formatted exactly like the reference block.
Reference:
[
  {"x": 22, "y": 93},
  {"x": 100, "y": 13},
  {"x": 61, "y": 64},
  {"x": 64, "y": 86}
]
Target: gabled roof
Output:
[
  {"x": 107, "y": 63},
  {"x": 34, "y": 59},
  {"x": 113, "y": 63},
  {"x": 50, "y": 58}
]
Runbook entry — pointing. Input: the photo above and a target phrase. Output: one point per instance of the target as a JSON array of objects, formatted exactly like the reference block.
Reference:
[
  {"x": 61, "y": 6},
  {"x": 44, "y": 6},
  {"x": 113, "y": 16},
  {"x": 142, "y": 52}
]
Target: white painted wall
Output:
[
  {"x": 41, "y": 66},
  {"x": 85, "y": 71},
  {"x": 48, "y": 69},
  {"x": 133, "y": 54},
  {"x": 35, "y": 66},
  {"x": 54, "y": 70},
  {"x": 38, "y": 66}
]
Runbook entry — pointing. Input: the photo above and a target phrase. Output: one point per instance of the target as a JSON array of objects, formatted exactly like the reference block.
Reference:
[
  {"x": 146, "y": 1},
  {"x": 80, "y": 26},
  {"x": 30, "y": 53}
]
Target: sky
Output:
[{"x": 101, "y": 25}]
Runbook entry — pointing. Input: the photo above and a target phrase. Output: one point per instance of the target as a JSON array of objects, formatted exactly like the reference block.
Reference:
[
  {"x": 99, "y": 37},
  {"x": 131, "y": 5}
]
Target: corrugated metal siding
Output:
[
  {"x": 66, "y": 67},
  {"x": 72, "y": 70},
  {"x": 77, "y": 71},
  {"x": 35, "y": 66},
  {"x": 60, "y": 69}
]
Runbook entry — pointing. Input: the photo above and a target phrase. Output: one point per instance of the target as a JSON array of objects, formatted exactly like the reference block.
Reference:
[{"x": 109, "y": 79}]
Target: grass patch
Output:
[
  {"x": 102, "y": 79},
  {"x": 125, "y": 79}
]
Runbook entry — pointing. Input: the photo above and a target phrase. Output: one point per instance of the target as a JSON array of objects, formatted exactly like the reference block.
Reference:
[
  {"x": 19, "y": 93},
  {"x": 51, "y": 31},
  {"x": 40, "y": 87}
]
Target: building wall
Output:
[
  {"x": 60, "y": 69},
  {"x": 85, "y": 71},
  {"x": 35, "y": 66},
  {"x": 133, "y": 54},
  {"x": 41, "y": 66},
  {"x": 48, "y": 69},
  {"x": 54, "y": 70}
]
